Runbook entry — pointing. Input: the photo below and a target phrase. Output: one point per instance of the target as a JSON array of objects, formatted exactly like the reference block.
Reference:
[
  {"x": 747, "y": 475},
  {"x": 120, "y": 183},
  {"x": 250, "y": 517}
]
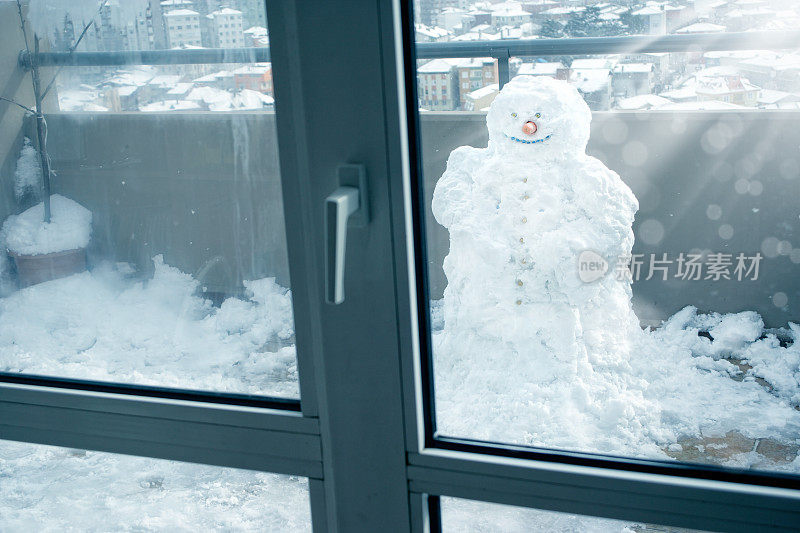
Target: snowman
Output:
[{"x": 525, "y": 215}]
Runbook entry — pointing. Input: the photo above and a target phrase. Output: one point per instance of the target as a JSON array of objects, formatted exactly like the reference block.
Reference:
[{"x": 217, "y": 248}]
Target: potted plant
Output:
[{"x": 49, "y": 240}]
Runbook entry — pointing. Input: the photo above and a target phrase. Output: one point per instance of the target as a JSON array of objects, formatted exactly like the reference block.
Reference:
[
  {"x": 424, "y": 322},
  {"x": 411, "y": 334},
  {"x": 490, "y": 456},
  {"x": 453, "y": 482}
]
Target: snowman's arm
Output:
[
  {"x": 453, "y": 190},
  {"x": 609, "y": 205}
]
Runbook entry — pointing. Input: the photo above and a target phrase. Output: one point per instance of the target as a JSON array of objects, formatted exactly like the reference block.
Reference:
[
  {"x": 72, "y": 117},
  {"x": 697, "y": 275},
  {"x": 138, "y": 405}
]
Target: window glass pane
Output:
[
  {"x": 164, "y": 261},
  {"x": 635, "y": 296},
  {"x": 467, "y": 515},
  {"x": 45, "y": 488},
  {"x": 496, "y": 21}
]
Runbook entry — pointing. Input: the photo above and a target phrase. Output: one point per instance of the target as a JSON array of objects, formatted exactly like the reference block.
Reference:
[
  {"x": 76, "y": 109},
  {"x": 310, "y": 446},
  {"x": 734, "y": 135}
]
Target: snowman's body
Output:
[{"x": 520, "y": 212}]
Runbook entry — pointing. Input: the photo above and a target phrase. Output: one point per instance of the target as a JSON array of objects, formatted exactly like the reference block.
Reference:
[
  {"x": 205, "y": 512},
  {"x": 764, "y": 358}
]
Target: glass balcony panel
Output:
[
  {"x": 164, "y": 258},
  {"x": 625, "y": 286}
]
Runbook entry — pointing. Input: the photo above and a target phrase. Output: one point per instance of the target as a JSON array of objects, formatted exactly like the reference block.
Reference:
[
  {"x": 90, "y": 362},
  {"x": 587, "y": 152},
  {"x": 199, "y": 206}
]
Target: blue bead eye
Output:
[
  {"x": 514, "y": 115},
  {"x": 538, "y": 115}
]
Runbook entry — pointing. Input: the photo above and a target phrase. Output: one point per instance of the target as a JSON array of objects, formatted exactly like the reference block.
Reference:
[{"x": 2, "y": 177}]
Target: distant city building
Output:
[
  {"x": 225, "y": 28},
  {"x": 654, "y": 19},
  {"x": 474, "y": 73},
  {"x": 253, "y": 12},
  {"x": 773, "y": 71},
  {"x": 437, "y": 86},
  {"x": 256, "y": 77},
  {"x": 678, "y": 15},
  {"x": 182, "y": 27},
  {"x": 428, "y": 10},
  {"x": 222, "y": 79},
  {"x": 427, "y": 34},
  {"x": 731, "y": 88},
  {"x": 482, "y": 98},
  {"x": 594, "y": 85},
  {"x": 537, "y": 6},
  {"x": 256, "y": 36},
  {"x": 632, "y": 79},
  {"x": 510, "y": 15},
  {"x": 452, "y": 18}
]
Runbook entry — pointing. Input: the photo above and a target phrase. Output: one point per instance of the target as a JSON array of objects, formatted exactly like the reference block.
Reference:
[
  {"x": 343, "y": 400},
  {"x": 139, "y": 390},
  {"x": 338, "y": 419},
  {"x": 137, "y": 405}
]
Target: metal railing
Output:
[{"x": 502, "y": 50}]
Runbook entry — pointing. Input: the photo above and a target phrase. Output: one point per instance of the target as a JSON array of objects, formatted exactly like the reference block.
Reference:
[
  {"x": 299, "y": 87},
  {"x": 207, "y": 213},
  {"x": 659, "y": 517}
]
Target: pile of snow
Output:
[
  {"x": 28, "y": 175},
  {"x": 56, "y": 489},
  {"x": 108, "y": 325},
  {"x": 102, "y": 325},
  {"x": 70, "y": 228}
]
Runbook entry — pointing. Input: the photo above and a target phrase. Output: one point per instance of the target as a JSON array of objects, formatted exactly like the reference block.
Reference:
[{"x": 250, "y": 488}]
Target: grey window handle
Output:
[
  {"x": 349, "y": 199},
  {"x": 342, "y": 203}
]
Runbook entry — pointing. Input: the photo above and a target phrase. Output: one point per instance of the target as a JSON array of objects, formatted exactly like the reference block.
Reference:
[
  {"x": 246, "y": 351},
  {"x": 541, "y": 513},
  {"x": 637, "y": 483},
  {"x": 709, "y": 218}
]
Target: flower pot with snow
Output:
[{"x": 43, "y": 251}]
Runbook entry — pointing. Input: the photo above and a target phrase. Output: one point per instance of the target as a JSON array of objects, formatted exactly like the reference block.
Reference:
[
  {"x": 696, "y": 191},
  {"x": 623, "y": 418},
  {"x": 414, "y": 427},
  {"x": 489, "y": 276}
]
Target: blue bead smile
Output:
[{"x": 523, "y": 141}]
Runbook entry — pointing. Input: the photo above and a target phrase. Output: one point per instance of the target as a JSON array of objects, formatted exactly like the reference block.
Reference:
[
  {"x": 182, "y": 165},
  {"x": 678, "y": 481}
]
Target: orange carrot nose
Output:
[{"x": 529, "y": 128}]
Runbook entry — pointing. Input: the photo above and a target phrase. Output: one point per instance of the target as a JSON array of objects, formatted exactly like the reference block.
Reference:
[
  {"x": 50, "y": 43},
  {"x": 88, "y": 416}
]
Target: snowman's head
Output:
[{"x": 537, "y": 116}]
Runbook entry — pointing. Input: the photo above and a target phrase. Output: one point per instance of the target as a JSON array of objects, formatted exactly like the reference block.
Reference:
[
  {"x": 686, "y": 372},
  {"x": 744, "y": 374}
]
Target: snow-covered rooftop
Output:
[
  {"x": 208, "y": 95},
  {"x": 770, "y": 96},
  {"x": 774, "y": 61},
  {"x": 681, "y": 94},
  {"x": 719, "y": 85},
  {"x": 180, "y": 13},
  {"x": 169, "y": 105},
  {"x": 180, "y": 89},
  {"x": 591, "y": 80},
  {"x": 470, "y": 62},
  {"x": 432, "y": 32},
  {"x": 643, "y": 101},
  {"x": 702, "y": 27},
  {"x": 540, "y": 69},
  {"x": 225, "y": 11},
  {"x": 706, "y": 105},
  {"x": 127, "y": 90},
  {"x": 256, "y": 31},
  {"x": 633, "y": 68},
  {"x": 593, "y": 63},
  {"x": 477, "y": 36},
  {"x": 165, "y": 80},
  {"x": 215, "y": 76},
  {"x": 563, "y": 10},
  {"x": 483, "y": 91},
  {"x": 435, "y": 66},
  {"x": 136, "y": 77},
  {"x": 256, "y": 69},
  {"x": 649, "y": 10}
]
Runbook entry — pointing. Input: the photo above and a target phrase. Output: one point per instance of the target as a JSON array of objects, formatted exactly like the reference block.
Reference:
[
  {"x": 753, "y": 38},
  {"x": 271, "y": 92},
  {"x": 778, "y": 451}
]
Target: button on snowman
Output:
[{"x": 520, "y": 213}]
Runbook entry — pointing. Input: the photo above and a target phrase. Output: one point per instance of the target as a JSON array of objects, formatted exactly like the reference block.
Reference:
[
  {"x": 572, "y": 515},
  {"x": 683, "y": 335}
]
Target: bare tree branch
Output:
[
  {"x": 73, "y": 47},
  {"x": 9, "y": 100},
  {"x": 24, "y": 31}
]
